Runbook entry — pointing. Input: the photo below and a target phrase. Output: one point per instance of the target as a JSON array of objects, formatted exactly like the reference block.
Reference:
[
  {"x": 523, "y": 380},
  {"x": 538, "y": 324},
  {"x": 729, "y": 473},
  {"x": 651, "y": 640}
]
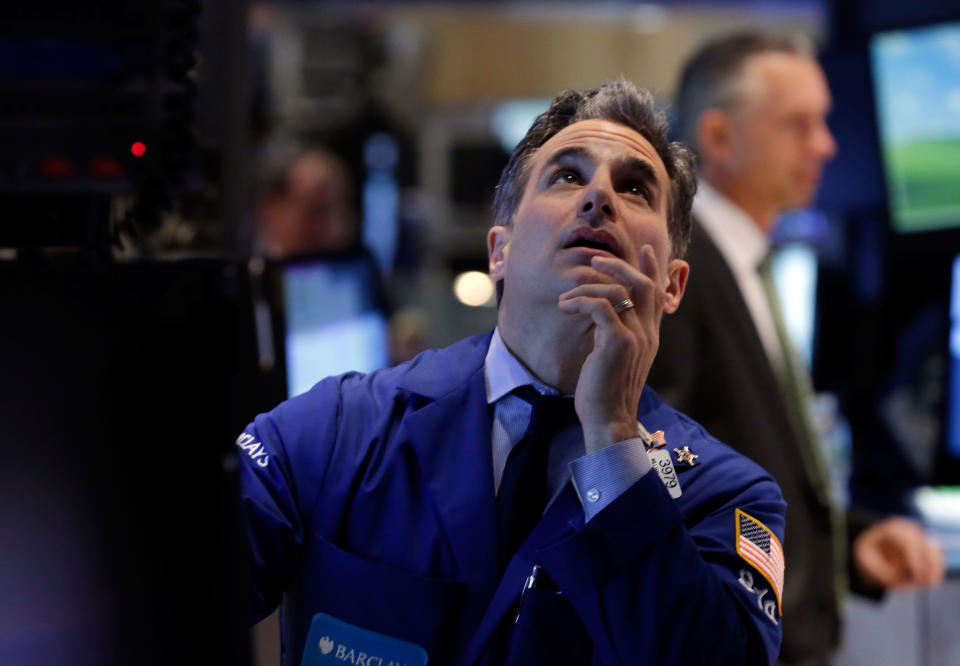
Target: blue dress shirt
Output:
[{"x": 599, "y": 478}]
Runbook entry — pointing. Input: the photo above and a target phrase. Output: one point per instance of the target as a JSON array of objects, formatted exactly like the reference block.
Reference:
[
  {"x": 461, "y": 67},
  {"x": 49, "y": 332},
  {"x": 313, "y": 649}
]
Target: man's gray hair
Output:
[
  {"x": 620, "y": 102},
  {"x": 713, "y": 76}
]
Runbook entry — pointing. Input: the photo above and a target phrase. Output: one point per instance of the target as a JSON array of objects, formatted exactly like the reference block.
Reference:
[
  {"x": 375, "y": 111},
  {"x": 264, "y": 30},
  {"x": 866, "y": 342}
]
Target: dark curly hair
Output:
[{"x": 620, "y": 102}]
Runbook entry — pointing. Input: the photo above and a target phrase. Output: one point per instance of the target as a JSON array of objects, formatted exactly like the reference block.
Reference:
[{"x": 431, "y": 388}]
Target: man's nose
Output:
[
  {"x": 596, "y": 205},
  {"x": 824, "y": 143}
]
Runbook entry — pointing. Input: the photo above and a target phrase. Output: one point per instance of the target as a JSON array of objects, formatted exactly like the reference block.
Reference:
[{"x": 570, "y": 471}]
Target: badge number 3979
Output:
[{"x": 660, "y": 461}]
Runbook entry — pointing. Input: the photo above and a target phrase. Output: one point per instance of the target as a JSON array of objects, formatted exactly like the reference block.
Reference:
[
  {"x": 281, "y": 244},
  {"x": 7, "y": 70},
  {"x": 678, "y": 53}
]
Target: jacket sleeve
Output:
[
  {"x": 654, "y": 586},
  {"x": 283, "y": 456}
]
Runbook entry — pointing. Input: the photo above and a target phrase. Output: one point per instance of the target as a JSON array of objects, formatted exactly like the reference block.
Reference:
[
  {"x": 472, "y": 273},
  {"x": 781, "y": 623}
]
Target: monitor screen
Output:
[
  {"x": 916, "y": 74},
  {"x": 953, "y": 367},
  {"x": 333, "y": 319}
]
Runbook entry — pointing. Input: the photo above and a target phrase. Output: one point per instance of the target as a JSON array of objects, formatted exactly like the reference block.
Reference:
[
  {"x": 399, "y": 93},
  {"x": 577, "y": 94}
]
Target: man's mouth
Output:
[
  {"x": 594, "y": 240},
  {"x": 596, "y": 245}
]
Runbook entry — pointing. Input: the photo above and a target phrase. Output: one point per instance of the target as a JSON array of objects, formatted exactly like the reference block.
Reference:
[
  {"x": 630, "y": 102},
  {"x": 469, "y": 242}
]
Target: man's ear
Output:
[
  {"x": 677, "y": 272},
  {"x": 714, "y": 139},
  {"x": 498, "y": 247}
]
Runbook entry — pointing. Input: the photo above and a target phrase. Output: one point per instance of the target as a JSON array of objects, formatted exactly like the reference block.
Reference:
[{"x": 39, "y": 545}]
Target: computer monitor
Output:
[
  {"x": 952, "y": 424},
  {"x": 916, "y": 73},
  {"x": 939, "y": 505},
  {"x": 332, "y": 318}
]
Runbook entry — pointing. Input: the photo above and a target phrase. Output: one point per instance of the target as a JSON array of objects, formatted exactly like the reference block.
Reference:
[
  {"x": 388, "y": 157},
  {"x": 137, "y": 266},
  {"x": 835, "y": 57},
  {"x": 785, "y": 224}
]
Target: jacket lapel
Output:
[
  {"x": 451, "y": 437},
  {"x": 727, "y": 301},
  {"x": 564, "y": 515}
]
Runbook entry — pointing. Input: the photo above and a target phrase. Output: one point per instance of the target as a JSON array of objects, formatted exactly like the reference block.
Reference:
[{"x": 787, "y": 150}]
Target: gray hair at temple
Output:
[
  {"x": 712, "y": 76},
  {"x": 620, "y": 102}
]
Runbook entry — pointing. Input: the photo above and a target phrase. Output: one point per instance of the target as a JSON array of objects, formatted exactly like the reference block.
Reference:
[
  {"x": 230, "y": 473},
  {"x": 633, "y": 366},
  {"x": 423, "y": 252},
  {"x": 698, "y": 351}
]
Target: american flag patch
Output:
[
  {"x": 761, "y": 549},
  {"x": 657, "y": 439}
]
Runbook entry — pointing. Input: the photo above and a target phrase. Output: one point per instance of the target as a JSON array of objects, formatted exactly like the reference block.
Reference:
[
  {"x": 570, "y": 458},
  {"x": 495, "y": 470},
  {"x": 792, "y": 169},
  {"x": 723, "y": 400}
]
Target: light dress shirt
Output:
[
  {"x": 743, "y": 246},
  {"x": 598, "y": 478}
]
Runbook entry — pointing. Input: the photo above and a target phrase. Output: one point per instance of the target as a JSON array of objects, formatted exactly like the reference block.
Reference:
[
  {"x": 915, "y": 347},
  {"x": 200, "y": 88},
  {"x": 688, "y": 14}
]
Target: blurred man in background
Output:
[
  {"x": 304, "y": 202},
  {"x": 754, "y": 106}
]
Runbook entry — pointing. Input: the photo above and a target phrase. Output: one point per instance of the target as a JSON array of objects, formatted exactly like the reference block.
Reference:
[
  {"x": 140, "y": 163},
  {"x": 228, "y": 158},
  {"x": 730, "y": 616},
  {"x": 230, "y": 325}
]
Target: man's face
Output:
[
  {"x": 595, "y": 188},
  {"x": 313, "y": 213},
  {"x": 779, "y": 139}
]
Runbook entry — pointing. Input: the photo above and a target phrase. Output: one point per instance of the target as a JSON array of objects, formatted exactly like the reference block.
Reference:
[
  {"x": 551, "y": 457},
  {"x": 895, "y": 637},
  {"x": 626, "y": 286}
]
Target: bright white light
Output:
[
  {"x": 510, "y": 120},
  {"x": 474, "y": 288},
  {"x": 795, "y": 275}
]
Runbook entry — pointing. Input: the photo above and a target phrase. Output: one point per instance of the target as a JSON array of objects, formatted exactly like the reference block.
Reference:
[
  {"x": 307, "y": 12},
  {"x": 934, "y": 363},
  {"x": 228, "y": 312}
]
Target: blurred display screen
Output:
[
  {"x": 333, "y": 320},
  {"x": 917, "y": 85},
  {"x": 939, "y": 506},
  {"x": 953, "y": 371}
]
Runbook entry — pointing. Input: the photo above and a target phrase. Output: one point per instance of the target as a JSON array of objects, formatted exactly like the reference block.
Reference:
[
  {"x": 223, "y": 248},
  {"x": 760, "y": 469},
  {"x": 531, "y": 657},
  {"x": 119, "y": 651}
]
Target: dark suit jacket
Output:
[{"x": 712, "y": 366}]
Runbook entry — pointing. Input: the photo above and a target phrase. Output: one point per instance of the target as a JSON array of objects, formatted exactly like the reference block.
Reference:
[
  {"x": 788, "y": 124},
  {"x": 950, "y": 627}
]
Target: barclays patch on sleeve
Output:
[{"x": 332, "y": 641}]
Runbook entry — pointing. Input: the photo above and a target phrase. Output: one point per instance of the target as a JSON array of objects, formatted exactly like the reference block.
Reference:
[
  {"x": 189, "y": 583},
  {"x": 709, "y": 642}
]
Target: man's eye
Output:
[
  {"x": 800, "y": 125},
  {"x": 566, "y": 176},
  {"x": 638, "y": 189}
]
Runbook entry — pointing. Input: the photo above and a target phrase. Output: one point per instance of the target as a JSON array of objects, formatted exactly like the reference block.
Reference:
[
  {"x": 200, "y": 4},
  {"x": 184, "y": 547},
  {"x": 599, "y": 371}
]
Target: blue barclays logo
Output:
[
  {"x": 351, "y": 656},
  {"x": 334, "y": 642}
]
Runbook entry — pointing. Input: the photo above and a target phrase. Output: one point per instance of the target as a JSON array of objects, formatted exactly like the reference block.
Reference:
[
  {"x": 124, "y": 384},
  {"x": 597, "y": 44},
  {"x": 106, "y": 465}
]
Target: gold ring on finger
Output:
[{"x": 623, "y": 305}]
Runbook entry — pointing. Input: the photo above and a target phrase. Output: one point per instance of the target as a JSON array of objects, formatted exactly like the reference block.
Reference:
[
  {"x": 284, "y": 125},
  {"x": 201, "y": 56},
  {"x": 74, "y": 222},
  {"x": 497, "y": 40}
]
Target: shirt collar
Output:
[
  {"x": 737, "y": 236},
  {"x": 504, "y": 372}
]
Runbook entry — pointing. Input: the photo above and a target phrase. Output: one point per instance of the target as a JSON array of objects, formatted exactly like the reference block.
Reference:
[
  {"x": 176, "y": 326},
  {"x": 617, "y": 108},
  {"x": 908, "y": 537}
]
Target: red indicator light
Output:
[
  {"x": 138, "y": 148},
  {"x": 105, "y": 167},
  {"x": 55, "y": 167}
]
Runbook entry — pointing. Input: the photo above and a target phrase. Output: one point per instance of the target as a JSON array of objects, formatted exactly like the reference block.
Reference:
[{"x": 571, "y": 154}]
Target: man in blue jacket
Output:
[{"x": 386, "y": 511}]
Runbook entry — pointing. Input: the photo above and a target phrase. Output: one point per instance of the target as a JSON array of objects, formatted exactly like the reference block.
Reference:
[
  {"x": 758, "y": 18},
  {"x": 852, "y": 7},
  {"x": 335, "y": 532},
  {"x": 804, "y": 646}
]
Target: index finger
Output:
[
  {"x": 640, "y": 280},
  {"x": 647, "y": 265}
]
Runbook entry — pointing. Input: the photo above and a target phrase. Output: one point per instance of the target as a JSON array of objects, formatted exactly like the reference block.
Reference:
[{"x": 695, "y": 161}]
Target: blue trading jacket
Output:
[{"x": 370, "y": 498}]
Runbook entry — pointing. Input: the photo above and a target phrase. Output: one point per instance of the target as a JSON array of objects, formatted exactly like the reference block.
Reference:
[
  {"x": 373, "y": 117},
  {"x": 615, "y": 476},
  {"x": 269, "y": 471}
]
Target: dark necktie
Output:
[
  {"x": 522, "y": 496},
  {"x": 795, "y": 382},
  {"x": 797, "y": 388}
]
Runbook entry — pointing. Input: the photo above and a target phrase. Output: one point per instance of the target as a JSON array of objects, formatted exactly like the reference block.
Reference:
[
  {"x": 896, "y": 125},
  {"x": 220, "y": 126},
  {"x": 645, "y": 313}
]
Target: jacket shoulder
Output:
[
  {"x": 716, "y": 465},
  {"x": 430, "y": 374}
]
